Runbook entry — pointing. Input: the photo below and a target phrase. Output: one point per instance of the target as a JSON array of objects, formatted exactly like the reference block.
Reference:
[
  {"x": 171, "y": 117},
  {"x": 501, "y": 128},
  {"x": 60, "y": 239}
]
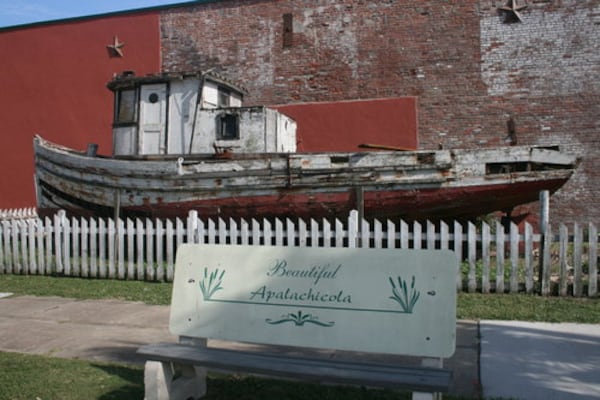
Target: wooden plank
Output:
[
  {"x": 499, "y": 257},
  {"x": 222, "y": 229},
  {"x": 211, "y": 232},
  {"x": 102, "y": 246},
  {"x": 417, "y": 235},
  {"x": 244, "y": 232},
  {"x": 364, "y": 234},
  {"x": 24, "y": 254},
  {"x": 593, "y": 260},
  {"x": 93, "y": 248},
  {"x": 577, "y": 260},
  {"x": 302, "y": 233},
  {"x": 528, "y": 258},
  {"x": 353, "y": 228},
  {"x": 339, "y": 233},
  {"x": 314, "y": 370},
  {"x": 85, "y": 250},
  {"x": 377, "y": 234},
  {"x": 75, "y": 246},
  {"x": 170, "y": 250},
  {"x": 546, "y": 260},
  {"x": 139, "y": 230},
  {"x": 120, "y": 249},
  {"x": 149, "y": 245},
  {"x": 159, "y": 242},
  {"x": 391, "y": 235},
  {"x": 112, "y": 248},
  {"x": 39, "y": 236},
  {"x": 431, "y": 235},
  {"x": 563, "y": 259},
  {"x": 3, "y": 263},
  {"x": 256, "y": 232},
  {"x": 472, "y": 256},
  {"x": 279, "y": 234},
  {"x": 314, "y": 233},
  {"x": 130, "y": 228},
  {"x": 31, "y": 243},
  {"x": 267, "y": 232},
  {"x": 514, "y": 258},
  {"x": 390, "y": 376},
  {"x": 67, "y": 244},
  {"x": 444, "y": 236},
  {"x": 327, "y": 233},
  {"x": 485, "y": 255},
  {"x": 58, "y": 217},
  {"x": 458, "y": 250},
  {"x": 404, "y": 235}
]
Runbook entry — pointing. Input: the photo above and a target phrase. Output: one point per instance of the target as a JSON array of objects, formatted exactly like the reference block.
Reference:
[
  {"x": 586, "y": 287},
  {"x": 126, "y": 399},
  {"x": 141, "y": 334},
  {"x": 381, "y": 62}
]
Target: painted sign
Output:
[{"x": 374, "y": 300}]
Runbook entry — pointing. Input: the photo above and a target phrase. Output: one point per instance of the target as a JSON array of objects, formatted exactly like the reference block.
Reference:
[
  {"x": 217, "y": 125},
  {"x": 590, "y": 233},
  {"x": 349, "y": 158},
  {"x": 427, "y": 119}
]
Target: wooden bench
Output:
[{"x": 373, "y": 301}]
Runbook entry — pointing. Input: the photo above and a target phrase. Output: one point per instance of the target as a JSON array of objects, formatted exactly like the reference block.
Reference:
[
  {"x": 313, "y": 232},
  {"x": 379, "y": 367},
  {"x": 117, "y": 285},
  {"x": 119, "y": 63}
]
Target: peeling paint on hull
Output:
[{"x": 412, "y": 185}]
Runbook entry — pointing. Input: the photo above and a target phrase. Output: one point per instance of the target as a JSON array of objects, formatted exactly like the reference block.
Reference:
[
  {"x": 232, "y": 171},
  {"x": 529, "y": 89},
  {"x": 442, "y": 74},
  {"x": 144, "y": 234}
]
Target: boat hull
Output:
[{"x": 410, "y": 185}]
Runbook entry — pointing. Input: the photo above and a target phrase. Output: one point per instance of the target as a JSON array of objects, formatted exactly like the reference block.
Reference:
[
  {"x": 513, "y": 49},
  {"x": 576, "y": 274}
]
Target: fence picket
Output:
[
  {"x": 130, "y": 226},
  {"x": 430, "y": 232},
  {"x": 159, "y": 237},
  {"x": 149, "y": 245},
  {"x": 102, "y": 232},
  {"x": 593, "y": 260},
  {"x": 140, "y": 233},
  {"x": 577, "y": 261},
  {"x": 112, "y": 252},
  {"x": 485, "y": 251},
  {"x": 31, "y": 243},
  {"x": 528, "y": 258},
  {"x": 120, "y": 234},
  {"x": 472, "y": 257},
  {"x": 499, "y": 257},
  {"x": 563, "y": 259},
  {"x": 39, "y": 238},
  {"x": 458, "y": 250},
  {"x": 514, "y": 258},
  {"x": 93, "y": 248},
  {"x": 85, "y": 255},
  {"x": 546, "y": 260},
  {"x": 75, "y": 256},
  {"x": 170, "y": 250}
]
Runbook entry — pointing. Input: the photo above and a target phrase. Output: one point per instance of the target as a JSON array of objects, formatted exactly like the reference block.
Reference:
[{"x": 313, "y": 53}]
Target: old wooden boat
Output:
[{"x": 183, "y": 141}]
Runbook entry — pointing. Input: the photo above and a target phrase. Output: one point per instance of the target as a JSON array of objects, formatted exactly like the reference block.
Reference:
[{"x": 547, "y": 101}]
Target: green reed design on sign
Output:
[
  {"x": 211, "y": 283},
  {"x": 400, "y": 294},
  {"x": 299, "y": 319}
]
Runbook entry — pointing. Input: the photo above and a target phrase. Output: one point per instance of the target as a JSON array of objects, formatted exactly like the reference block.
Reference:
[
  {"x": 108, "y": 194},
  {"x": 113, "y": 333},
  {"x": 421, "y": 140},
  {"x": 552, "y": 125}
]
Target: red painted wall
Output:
[
  {"x": 54, "y": 84},
  {"x": 342, "y": 126}
]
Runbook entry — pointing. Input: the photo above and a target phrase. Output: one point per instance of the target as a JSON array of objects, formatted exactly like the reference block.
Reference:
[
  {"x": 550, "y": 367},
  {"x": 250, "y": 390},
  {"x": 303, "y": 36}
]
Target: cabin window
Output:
[
  {"x": 228, "y": 127},
  {"x": 126, "y": 110},
  {"x": 224, "y": 96}
]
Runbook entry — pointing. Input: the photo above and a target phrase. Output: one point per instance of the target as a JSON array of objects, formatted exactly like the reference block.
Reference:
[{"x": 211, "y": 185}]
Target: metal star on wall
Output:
[
  {"x": 116, "y": 47},
  {"x": 514, "y": 9}
]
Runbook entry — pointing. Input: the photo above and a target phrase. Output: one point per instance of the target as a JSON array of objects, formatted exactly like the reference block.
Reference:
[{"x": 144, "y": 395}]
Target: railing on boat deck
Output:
[{"x": 493, "y": 257}]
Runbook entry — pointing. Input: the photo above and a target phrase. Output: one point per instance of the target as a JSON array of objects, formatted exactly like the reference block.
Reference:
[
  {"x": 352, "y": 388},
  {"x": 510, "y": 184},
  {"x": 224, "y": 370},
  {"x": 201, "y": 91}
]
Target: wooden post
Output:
[{"x": 544, "y": 220}]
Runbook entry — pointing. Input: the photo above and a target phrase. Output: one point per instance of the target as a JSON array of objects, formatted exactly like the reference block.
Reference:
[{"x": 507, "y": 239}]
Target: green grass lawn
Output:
[{"x": 45, "y": 378}]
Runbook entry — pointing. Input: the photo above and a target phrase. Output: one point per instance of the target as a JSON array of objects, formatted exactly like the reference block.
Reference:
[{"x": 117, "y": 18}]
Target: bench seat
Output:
[{"x": 301, "y": 368}]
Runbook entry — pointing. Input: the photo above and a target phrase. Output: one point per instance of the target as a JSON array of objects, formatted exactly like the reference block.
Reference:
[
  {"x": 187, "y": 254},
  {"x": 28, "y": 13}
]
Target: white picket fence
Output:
[
  {"x": 492, "y": 260},
  {"x": 18, "y": 213}
]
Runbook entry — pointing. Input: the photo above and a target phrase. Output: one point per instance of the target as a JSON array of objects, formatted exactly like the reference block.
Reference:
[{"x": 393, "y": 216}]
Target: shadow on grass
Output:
[{"x": 133, "y": 378}]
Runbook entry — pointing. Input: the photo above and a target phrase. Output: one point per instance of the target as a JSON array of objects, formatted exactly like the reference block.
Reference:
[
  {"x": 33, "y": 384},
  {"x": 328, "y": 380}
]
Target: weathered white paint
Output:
[{"x": 45, "y": 244}]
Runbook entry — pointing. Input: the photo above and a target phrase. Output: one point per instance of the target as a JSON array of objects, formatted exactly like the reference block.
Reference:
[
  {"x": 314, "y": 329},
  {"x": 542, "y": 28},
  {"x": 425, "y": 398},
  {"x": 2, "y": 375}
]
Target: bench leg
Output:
[
  {"x": 165, "y": 381},
  {"x": 429, "y": 362}
]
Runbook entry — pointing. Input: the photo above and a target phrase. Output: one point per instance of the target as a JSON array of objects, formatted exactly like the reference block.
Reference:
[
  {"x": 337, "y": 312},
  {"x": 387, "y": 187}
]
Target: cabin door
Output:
[{"x": 153, "y": 116}]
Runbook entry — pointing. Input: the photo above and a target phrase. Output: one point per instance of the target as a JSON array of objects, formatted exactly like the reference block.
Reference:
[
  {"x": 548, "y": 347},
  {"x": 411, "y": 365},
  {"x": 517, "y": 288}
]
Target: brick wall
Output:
[{"x": 469, "y": 69}]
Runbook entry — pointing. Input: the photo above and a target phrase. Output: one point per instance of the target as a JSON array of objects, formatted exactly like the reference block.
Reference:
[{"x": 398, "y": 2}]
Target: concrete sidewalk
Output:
[
  {"x": 107, "y": 330},
  {"x": 518, "y": 360},
  {"x": 540, "y": 361}
]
